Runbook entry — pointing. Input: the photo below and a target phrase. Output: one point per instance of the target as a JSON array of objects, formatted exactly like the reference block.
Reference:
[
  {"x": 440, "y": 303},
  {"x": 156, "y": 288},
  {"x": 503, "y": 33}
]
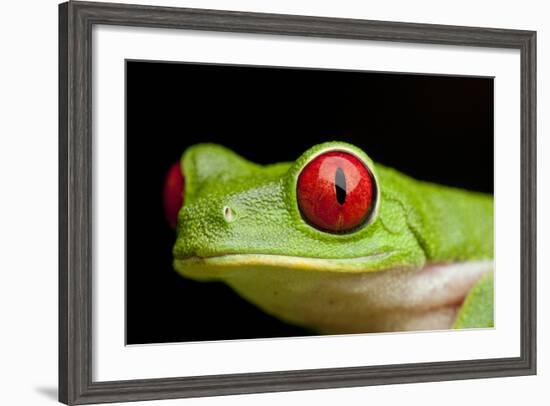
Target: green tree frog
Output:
[{"x": 333, "y": 241}]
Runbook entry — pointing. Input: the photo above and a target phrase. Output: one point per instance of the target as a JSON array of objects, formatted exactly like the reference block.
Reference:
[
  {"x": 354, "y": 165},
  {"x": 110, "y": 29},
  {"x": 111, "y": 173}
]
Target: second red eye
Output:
[
  {"x": 336, "y": 192},
  {"x": 174, "y": 186}
]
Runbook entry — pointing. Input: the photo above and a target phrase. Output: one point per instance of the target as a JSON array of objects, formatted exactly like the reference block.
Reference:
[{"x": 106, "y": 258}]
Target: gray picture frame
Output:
[{"x": 76, "y": 20}]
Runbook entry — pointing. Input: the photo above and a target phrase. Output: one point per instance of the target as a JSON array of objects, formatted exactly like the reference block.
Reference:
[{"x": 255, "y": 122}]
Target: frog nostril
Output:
[{"x": 228, "y": 214}]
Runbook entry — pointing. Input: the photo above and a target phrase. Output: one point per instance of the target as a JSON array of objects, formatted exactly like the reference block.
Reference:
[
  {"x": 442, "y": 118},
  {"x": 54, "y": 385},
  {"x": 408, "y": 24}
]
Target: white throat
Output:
[{"x": 341, "y": 303}]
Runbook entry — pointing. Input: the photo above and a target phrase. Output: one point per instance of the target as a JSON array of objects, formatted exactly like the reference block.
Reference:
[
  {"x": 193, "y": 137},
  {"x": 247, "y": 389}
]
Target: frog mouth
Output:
[{"x": 368, "y": 263}]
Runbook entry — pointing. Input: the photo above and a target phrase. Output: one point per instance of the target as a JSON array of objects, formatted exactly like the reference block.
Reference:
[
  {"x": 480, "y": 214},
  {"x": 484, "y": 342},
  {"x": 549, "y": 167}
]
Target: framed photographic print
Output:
[{"x": 257, "y": 202}]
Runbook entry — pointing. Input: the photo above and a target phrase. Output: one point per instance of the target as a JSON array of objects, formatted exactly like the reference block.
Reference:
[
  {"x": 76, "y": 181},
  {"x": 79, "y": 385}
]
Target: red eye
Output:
[
  {"x": 174, "y": 185},
  {"x": 336, "y": 192}
]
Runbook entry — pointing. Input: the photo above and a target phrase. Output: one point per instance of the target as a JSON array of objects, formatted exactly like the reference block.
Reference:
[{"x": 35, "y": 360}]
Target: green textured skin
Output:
[
  {"x": 418, "y": 221},
  {"x": 414, "y": 223},
  {"x": 477, "y": 310}
]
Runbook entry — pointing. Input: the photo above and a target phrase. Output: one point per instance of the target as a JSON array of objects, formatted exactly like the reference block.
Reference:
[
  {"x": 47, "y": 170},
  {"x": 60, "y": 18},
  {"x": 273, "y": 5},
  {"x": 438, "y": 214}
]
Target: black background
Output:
[{"x": 436, "y": 128}]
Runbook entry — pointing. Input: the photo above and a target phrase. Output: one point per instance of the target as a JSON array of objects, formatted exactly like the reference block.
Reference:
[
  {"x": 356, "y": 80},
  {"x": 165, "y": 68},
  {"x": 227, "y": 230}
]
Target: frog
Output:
[{"x": 334, "y": 242}]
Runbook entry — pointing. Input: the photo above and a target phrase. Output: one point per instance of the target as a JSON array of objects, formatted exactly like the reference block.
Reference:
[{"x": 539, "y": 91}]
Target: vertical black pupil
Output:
[{"x": 340, "y": 185}]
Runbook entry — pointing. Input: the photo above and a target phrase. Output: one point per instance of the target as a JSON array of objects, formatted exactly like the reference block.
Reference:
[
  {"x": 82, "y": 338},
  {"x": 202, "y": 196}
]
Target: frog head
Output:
[{"x": 326, "y": 212}]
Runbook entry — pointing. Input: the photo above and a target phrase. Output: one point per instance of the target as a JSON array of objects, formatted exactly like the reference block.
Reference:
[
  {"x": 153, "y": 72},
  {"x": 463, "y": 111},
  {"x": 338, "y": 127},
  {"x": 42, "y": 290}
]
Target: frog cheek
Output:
[{"x": 174, "y": 187}]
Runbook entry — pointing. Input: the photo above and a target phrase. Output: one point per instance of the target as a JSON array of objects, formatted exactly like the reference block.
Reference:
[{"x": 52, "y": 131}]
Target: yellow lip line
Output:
[{"x": 293, "y": 262}]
